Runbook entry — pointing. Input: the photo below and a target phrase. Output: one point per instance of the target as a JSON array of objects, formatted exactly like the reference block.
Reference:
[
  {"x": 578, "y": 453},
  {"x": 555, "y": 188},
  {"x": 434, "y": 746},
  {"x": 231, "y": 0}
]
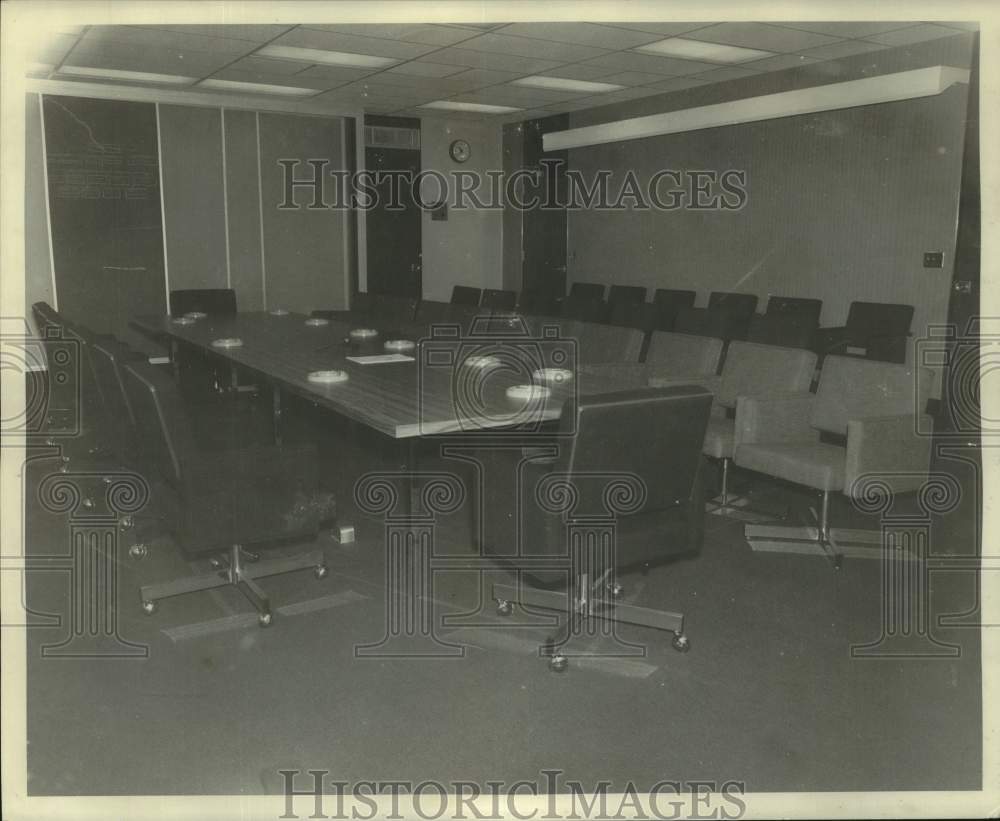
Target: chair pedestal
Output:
[
  {"x": 237, "y": 572},
  {"x": 736, "y": 508},
  {"x": 819, "y": 539},
  {"x": 589, "y": 603}
]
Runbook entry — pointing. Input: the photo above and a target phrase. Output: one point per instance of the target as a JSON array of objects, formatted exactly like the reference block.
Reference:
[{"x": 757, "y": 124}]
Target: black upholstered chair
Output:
[
  {"x": 668, "y": 302},
  {"x": 223, "y": 500},
  {"x": 613, "y": 476},
  {"x": 786, "y": 330},
  {"x": 727, "y": 316},
  {"x": 587, "y": 290},
  {"x": 626, "y": 293},
  {"x": 498, "y": 300},
  {"x": 583, "y": 308},
  {"x": 536, "y": 303},
  {"x": 466, "y": 295},
  {"x": 211, "y": 301},
  {"x": 874, "y": 330},
  {"x": 803, "y": 307},
  {"x": 432, "y": 312}
]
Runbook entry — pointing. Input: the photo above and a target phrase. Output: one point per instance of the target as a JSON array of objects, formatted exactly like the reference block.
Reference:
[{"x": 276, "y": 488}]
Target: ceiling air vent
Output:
[{"x": 382, "y": 136}]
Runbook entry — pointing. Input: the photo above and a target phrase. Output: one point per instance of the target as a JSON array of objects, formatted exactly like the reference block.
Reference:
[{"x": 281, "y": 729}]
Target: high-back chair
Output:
[
  {"x": 671, "y": 355},
  {"x": 727, "y": 316},
  {"x": 584, "y": 308},
  {"x": 626, "y": 293},
  {"x": 211, "y": 301},
  {"x": 466, "y": 295},
  {"x": 587, "y": 290},
  {"x": 599, "y": 344},
  {"x": 874, "y": 330},
  {"x": 498, "y": 300},
  {"x": 862, "y": 421},
  {"x": 790, "y": 330},
  {"x": 536, "y": 303},
  {"x": 224, "y": 500},
  {"x": 632, "y": 314},
  {"x": 634, "y": 469},
  {"x": 806, "y": 308},
  {"x": 668, "y": 302}
]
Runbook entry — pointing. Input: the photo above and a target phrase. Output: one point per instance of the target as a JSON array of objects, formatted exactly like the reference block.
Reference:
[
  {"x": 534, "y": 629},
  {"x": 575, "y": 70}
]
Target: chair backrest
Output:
[
  {"x": 536, "y": 303},
  {"x": 868, "y": 319},
  {"x": 498, "y": 300},
  {"x": 466, "y": 295},
  {"x": 797, "y": 306},
  {"x": 852, "y": 388},
  {"x": 760, "y": 370},
  {"x": 585, "y": 309},
  {"x": 597, "y": 343},
  {"x": 587, "y": 290},
  {"x": 626, "y": 293},
  {"x": 742, "y": 305},
  {"x": 652, "y": 434},
  {"x": 108, "y": 358},
  {"x": 641, "y": 315},
  {"x": 668, "y": 302},
  {"x": 789, "y": 330},
  {"x": 683, "y": 354},
  {"x": 429, "y": 311},
  {"x": 212, "y": 301},
  {"x": 362, "y": 303},
  {"x": 389, "y": 308},
  {"x": 163, "y": 434}
]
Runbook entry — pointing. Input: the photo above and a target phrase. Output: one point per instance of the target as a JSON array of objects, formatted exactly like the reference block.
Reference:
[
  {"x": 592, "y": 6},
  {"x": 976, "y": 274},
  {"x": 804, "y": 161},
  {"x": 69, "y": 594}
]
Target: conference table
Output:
[{"x": 440, "y": 388}]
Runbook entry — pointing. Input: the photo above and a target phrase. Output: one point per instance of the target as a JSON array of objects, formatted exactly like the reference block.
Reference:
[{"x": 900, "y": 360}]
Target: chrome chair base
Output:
[
  {"x": 589, "y": 604},
  {"x": 238, "y": 573}
]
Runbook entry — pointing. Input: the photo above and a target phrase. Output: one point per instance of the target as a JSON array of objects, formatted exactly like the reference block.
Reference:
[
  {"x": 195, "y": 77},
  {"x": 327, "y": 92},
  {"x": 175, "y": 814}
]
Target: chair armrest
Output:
[
  {"x": 891, "y": 447},
  {"x": 709, "y": 381},
  {"x": 776, "y": 419}
]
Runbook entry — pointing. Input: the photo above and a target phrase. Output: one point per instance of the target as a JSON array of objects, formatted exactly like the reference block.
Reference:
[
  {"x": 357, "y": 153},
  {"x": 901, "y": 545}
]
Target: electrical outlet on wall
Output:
[{"x": 933, "y": 259}]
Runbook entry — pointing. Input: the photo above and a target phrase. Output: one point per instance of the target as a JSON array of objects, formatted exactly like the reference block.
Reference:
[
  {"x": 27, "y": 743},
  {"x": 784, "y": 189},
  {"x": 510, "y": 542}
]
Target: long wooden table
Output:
[{"x": 432, "y": 394}]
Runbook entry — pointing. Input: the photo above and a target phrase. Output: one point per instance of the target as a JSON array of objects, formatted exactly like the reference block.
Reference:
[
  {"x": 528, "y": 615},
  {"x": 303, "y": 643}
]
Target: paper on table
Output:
[{"x": 378, "y": 359}]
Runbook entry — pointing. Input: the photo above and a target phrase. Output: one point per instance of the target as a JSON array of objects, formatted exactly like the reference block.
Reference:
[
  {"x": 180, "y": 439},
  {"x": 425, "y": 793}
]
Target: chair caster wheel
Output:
[
  {"x": 558, "y": 663},
  {"x": 320, "y": 571},
  {"x": 264, "y": 619},
  {"x": 504, "y": 607},
  {"x": 681, "y": 643},
  {"x": 616, "y": 590},
  {"x": 149, "y": 607},
  {"x": 138, "y": 551}
]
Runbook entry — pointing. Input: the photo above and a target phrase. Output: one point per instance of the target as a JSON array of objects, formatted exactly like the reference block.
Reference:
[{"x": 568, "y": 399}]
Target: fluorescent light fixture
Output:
[
  {"x": 482, "y": 108},
  {"x": 888, "y": 88},
  {"x": 116, "y": 74},
  {"x": 562, "y": 84},
  {"x": 697, "y": 50},
  {"x": 330, "y": 58},
  {"x": 257, "y": 88}
]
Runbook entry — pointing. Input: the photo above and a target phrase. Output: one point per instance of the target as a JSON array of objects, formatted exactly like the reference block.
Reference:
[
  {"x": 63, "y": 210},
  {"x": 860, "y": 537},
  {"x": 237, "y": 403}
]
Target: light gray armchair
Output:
[{"x": 863, "y": 419}]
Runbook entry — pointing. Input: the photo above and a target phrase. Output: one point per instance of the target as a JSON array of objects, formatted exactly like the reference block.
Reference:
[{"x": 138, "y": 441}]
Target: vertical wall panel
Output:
[
  {"x": 37, "y": 266},
  {"x": 243, "y": 207},
  {"x": 193, "y": 200},
  {"x": 304, "y": 255},
  {"x": 104, "y": 202}
]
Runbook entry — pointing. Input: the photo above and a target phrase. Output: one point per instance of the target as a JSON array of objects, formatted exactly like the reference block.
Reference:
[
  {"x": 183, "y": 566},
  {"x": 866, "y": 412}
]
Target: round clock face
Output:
[{"x": 460, "y": 151}]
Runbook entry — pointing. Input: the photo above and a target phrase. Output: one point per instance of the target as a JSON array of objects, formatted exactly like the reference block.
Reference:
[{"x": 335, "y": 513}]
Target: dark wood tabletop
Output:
[{"x": 433, "y": 394}]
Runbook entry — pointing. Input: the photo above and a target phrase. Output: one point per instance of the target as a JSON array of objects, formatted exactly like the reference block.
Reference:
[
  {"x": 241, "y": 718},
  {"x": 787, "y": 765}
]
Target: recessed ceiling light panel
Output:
[
  {"x": 330, "y": 58},
  {"x": 697, "y": 50},
  {"x": 116, "y": 74},
  {"x": 256, "y": 88},
  {"x": 482, "y": 108},
  {"x": 564, "y": 84}
]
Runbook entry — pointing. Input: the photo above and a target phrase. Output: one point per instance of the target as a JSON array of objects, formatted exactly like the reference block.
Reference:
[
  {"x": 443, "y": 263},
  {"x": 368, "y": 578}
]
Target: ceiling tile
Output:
[
  {"x": 341, "y": 74},
  {"x": 54, "y": 49},
  {"x": 496, "y": 62},
  {"x": 780, "y": 62},
  {"x": 352, "y": 43},
  {"x": 583, "y": 34},
  {"x": 430, "y": 35},
  {"x": 166, "y": 38},
  {"x": 666, "y": 29},
  {"x": 477, "y": 78},
  {"x": 834, "y": 51},
  {"x": 512, "y": 95},
  {"x": 418, "y": 68},
  {"x": 760, "y": 36},
  {"x": 632, "y": 78},
  {"x": 527, "y": 47},
  {"x": 668, "y": 66},
  {"x": 268, "y": 65},
  {"x": 848, "y": 28},
  {"x": 251, "y": 33},
  {"x": 619, "y": 96},
  {"x": 133, "y": 57},
  {"x": 914, "y": 34}
]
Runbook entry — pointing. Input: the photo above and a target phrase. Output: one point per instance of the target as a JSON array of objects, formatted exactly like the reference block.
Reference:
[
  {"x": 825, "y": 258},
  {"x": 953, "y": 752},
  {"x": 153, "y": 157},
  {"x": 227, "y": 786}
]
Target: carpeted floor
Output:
[{"x": 768, "y": 695}]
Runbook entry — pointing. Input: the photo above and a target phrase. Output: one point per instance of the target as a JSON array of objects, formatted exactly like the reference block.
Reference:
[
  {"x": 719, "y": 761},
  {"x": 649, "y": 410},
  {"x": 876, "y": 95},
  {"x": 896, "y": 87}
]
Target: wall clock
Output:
[{"x": 460, "y": 150}]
